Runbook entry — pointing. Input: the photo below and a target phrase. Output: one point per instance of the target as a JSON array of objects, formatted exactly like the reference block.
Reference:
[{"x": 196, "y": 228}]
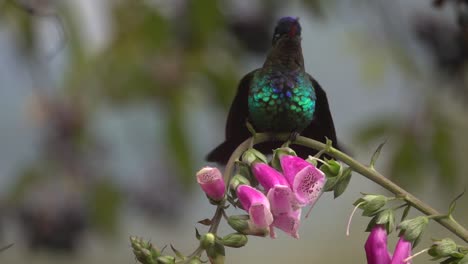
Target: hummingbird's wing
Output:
[
  {"x": 236, "y": 129},
  {"x": 322, "y": 126}
]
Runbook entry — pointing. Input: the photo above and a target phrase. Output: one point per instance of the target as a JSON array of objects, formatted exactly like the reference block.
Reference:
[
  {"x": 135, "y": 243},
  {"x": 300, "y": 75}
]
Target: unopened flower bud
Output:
[
  {"x": 207, "y": 240},
  {"x": 212, "y": 183},
  {"x": 237, "y": 180},
  {"x": 243, "y": 225},
  {"x": 144, "y": 251},
  {"x": 332, "y": 168},
  {"x": 235, "y": 240},
  {"x": 216, "y": 253},
  {"x": 444, "y": 248},
  {"x": 387, "y": 218},
  {"x": 166, "y": 260},
  {"x": 278, "y": 153},
  {"x": 413, "y": 228},
  {"x": 251, "y": 156},
  {"x": 371, "y": 204}
]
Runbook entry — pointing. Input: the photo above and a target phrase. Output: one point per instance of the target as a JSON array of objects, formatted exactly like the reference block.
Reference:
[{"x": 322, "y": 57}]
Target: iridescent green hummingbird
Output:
[{"x": 279, "y": 97}]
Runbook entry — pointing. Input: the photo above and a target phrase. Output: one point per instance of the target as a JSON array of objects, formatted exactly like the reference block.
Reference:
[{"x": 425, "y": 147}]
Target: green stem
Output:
[{"x": 372, "y": 175}]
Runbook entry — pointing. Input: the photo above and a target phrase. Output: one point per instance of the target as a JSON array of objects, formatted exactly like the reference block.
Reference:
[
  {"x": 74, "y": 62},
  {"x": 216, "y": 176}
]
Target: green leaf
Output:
[
  {"x": 177, "y": 252},
  {"x": 376, "y": 154},
  {"x": 454, "y": 202},
  {"x": 342, "y": 183},
  {"x": 205, "y": 221},
  {"x": 405, "y": 212}
]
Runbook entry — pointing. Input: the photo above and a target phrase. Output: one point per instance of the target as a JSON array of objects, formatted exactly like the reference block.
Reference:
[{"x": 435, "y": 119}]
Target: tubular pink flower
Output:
[
  {"x": 281, "y": 198},
  {"x": 402, "y": 251},
  {"x": 376, "y": 246},
  {"x": 212, "y": 183},
  {"x": 308, "y": 185},
  {"x": 267, "y": 176},
  {"x": 291, "y": 165},
  {"x": 257, "y": 204},
  {"x": 289, "y": 223}
]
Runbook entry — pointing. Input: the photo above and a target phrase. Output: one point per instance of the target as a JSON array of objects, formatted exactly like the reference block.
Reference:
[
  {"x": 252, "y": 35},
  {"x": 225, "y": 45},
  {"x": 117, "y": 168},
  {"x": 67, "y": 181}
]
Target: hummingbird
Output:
[{"x": 279, "y": 97}]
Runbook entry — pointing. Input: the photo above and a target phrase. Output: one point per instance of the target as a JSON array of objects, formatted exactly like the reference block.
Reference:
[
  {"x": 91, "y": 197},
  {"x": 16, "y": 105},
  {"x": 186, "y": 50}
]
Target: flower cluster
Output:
[
  {"x": 284, "y": 194},
  {"x": 278, "y": 201}
]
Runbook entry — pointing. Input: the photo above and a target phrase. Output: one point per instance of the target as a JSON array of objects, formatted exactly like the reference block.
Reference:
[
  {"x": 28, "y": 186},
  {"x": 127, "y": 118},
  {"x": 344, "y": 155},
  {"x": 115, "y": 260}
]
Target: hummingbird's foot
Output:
[{"x": 292, "y": 137}]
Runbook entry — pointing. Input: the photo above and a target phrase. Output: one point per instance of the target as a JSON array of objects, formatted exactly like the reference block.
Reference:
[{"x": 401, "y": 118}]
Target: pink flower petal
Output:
[
  {"x": 212, "y": 183},
  {"x": 268, "y": 176},
  {"x": 308, "y": 185},
  {"x": 402, "y": 251},
  {"x": 281, "y": 198},
  {"x": 289, "y": 223},
  {"x": 291, "y": 165},
  {"x": 260, "y": 215},
  {"x": 248, "y": 195},
  {"x": 376, "y": 246}
]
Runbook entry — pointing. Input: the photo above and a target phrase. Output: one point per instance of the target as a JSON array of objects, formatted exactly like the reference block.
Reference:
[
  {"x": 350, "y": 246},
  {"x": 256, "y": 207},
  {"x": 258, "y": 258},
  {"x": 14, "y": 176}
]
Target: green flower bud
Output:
[
  {"x": 278, "y": 153},
  {"x": 144, "y": 251},
  {"x": 332, "y": 168},
  {"x": 371, "y": 203},
  {"x": 166, "y": 260},
  {"x": 387, "y": 218},
  {"x": 243, "y": 225},
  {"x": 237, "y": 180},
  {"x": 444, "y": 248},
  {"x": 235, "y": 240},
  {"x": 207, "y": 240},
  {"x": 216, "y": 253},
  {"x": 252, "y": 155},
  {"x": 413, "y": 228}
]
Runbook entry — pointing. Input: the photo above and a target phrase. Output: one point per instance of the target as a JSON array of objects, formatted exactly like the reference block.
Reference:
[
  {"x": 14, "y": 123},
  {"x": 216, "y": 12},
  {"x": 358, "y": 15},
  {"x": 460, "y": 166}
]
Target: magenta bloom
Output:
[
  {"x": 212, "y": 183},
  {"x": 377, "y": 252},
  {"x": 267, "y": 176},
  {"x": 257, "y": 204},
  {"x": 402, "y": 251},
  {"x": 289, "y": 223},
  {"x": 291, "y": 165},
  {"x": 304, "y": 178},
  {"x": 376, "y": 246}
]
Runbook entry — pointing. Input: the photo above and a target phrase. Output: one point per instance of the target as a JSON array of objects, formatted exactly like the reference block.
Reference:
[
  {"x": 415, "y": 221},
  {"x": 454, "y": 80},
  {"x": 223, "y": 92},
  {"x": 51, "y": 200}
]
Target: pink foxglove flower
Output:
[
  {"x": 257, "y": 204},
  {"x": 289, "y": 223},
  {"x": 308, "y": 185},
  {"x": 304, "y": 178},
  {"x": 402, "y": 251},
  {"x": 291, "y": 165},
  {"x": 212, "y": 183},
  {"x": 267, "y": 176},
  {"x": 376, "y": 246},
  {"x": 281, "y": 199}
]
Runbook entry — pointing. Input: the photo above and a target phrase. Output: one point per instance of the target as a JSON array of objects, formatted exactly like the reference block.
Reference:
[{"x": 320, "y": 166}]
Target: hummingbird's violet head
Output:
[{"x": 287, "y": 27}]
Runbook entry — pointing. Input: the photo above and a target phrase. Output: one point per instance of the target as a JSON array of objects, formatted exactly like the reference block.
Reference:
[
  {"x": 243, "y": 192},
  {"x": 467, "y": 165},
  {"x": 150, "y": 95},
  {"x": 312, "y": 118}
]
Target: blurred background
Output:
[{"x": 108, "y": 108}]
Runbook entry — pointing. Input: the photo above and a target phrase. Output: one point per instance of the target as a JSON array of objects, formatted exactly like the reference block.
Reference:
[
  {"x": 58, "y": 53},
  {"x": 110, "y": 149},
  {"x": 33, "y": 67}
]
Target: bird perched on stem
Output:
[{"x": 279, "y": 97}]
